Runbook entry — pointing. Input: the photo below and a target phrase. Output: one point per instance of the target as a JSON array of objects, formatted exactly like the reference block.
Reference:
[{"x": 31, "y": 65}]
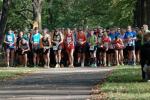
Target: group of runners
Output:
[{"x": 74, "y": 47}]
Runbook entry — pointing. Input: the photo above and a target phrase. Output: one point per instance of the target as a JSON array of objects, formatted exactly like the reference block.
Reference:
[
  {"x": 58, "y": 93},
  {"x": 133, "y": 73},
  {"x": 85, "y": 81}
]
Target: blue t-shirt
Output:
[
  {"x": 36, "y": 38},
  {"x": 130, "y": 35},
  {"x": 112, "y": 36},
  {"x": 117, "y": 34}
]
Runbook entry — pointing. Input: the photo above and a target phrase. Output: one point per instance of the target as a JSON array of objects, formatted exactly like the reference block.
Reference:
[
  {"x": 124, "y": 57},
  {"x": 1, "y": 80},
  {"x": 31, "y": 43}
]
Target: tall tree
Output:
[
  {"x": 37, "y": 10},
  {"x": 4, "y": 16}
]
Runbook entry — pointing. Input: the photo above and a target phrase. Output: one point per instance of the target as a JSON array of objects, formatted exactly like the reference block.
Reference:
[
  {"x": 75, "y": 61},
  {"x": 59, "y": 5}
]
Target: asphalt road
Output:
[{"x": 54, "y": 84}]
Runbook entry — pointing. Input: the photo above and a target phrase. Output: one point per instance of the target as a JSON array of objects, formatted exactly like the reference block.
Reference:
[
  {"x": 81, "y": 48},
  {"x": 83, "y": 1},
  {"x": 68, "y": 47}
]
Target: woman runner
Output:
[
  {"x": 10, "y": 41},
  {"x": 57, "y": 46},
  {"x": 36, "y": 36},
  {"x": 45, "y": 45},
  {"x": 24, "y": 48},
  {"x": 69, "y": 42}
]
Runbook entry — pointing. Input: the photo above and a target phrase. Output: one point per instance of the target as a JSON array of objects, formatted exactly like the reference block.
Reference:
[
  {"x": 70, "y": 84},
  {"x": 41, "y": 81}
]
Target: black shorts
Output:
[
  {"x": 36, "y": 50},
  {"x": 58, "y": 48},
  {"x": 130, "y": 48},
  {"x": 110, "y": 51},
  {"x": 45, "y": 51},
  {"x": 93, "y": 50},
  {"x": 80, "y": 49},
  {"x": 101, "y": 50}
]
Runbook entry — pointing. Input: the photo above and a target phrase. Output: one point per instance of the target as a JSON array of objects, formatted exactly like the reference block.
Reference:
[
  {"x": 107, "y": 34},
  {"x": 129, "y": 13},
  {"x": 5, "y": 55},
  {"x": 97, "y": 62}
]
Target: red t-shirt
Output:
[{"x": 81, "y": 37}]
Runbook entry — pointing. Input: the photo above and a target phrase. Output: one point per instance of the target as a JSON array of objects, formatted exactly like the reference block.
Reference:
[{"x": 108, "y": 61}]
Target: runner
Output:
[
  {"x": 100, "y": 49},
  {"x": 92, "y": 40},
  {"x": 130, "y": 38},
  {"x": 106, "y": 41},
  {"x": 24, "y": 48},
  {"x": 10, "y": 41},
  {"x": 57, "y": 46},
  {"x": 69, "y": 43},
  {"x": 36, "y": 36},
  {"x": 45, "y": 45},
  {"x": 111, "y": 50},
  {"x": 119, "y": 46},
  {"x": 18, "y": 55},
  {"x": 81, "y": 40}
]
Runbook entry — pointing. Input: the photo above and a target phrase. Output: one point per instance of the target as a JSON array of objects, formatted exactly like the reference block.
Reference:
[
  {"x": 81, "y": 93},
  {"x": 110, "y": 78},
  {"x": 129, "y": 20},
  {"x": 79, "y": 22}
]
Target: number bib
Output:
[
  {"x": 55, "y": 48},
  {"x": 91, "y": 47},
  {"x": 10, "y": 38},
  {"x": 69, "y": 40},
  {"x": 106, "y": 45}
]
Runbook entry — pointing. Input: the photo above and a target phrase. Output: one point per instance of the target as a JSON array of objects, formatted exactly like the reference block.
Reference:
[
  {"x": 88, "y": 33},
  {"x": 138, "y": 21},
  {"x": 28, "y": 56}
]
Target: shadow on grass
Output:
[{"x": 126, "y": 75}]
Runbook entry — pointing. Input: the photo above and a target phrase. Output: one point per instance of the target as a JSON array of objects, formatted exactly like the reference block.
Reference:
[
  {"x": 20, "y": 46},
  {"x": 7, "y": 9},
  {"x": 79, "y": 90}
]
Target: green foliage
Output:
[
  {"x": 73, "y": 13},
  {"x": 126, "y": 83}
]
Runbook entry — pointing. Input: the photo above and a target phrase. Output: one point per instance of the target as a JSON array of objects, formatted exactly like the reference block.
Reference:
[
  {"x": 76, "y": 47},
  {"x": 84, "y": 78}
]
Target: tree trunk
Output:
[
  {"x": 142, "y": 13},
  {"x": 50, "y": 18},
  {"x": 37, "y": 10},
  {"x": 4, "y": 16}
]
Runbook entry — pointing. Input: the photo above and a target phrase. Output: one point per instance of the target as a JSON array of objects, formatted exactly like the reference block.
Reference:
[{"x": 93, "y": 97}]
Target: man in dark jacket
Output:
[{"x": 145, "y": 57}]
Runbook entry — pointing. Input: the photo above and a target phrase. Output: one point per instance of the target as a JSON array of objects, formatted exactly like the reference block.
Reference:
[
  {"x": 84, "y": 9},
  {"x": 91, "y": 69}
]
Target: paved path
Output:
[{"x": 54, "y": 84}]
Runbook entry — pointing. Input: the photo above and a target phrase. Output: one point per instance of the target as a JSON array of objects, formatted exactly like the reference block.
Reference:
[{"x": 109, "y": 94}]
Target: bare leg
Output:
[
  {"x": 12, "y": 57},
  {"x": 26, "y": 60},
  {"x": 34, "y": 59},
  {"x": 7, "y": 57}
]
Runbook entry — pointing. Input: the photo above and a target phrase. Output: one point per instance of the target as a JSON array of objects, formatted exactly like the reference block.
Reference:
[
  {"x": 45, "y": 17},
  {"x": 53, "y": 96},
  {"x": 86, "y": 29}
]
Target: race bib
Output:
[
  {"x": 55, "y": 48},
  {"x": 68, "y": 39},
  {"x": 10, "y": 38},
  {"x": 80, "y": 40},
  {"x": 91, "y": 47},
  {"x": 106, "y": 45}
]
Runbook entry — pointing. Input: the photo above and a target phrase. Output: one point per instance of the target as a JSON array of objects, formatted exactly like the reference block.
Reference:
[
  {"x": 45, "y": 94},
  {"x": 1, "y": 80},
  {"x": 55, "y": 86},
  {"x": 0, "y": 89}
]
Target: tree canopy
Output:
[{"x": 70, "y": 13}]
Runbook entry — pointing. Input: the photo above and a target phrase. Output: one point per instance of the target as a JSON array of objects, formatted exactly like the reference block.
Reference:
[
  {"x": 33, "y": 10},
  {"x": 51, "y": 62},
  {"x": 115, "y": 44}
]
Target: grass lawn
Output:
[
  {"x": 126, "y": 83},
  {"x": 11, "y": 73}
]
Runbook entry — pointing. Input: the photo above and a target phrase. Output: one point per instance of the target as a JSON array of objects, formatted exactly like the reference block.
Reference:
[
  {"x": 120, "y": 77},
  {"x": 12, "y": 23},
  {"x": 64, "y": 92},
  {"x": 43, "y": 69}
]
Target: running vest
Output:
[
  {"x": 92, "y": 40},
  {"x": 106, "y": 41},
  {"x": 99, "y": 40},
  {"x": 69, "y": 38},
  {"x": 36, "y": 38},
  {"x": 45, "y": 42},
  {"x": 24, "y": 46},
  {"x": 57, "y": 38},
  {"x": 11, "y": 39}
]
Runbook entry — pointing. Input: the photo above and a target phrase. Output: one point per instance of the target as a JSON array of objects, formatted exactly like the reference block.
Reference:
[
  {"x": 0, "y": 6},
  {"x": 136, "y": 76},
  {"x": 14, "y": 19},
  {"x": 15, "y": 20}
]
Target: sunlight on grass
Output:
[
  {"x": 6, "y": 73},
  {"x": 126, "y": 83}
]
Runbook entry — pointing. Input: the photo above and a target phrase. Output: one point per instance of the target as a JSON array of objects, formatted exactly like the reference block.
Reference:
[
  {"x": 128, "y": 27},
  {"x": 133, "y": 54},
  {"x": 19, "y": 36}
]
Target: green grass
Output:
[
  {"x": 11, "y": 73},
  {"x": 126, "y": 83}
]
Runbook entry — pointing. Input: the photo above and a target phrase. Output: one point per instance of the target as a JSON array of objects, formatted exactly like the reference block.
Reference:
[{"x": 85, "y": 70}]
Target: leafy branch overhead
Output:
[{"x": 70, "y": 13}]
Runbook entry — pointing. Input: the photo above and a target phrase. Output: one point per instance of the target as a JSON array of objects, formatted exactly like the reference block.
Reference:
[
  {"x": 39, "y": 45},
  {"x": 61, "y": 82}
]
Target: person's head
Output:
[
  {"x": 91, "y": 32},
  {"x": 9, "y": 31},
  {"x": 36, "y": 30},
  {"x": 118, "y": 30},
  {"x": 80, "y": 31},
  {"x": 68, "y": 31},
  {"x": 45, "y": 31},
  {"x": 23, "y": 41},
  {"x": 112, "y": 30},
  {"x": 21, "y": 34},
  {"x": 105, "y": 34},
  {"x": 122, "y": 31},
  {"x": 129, "y": 29},
  {"x": 145, "y": 27}
]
